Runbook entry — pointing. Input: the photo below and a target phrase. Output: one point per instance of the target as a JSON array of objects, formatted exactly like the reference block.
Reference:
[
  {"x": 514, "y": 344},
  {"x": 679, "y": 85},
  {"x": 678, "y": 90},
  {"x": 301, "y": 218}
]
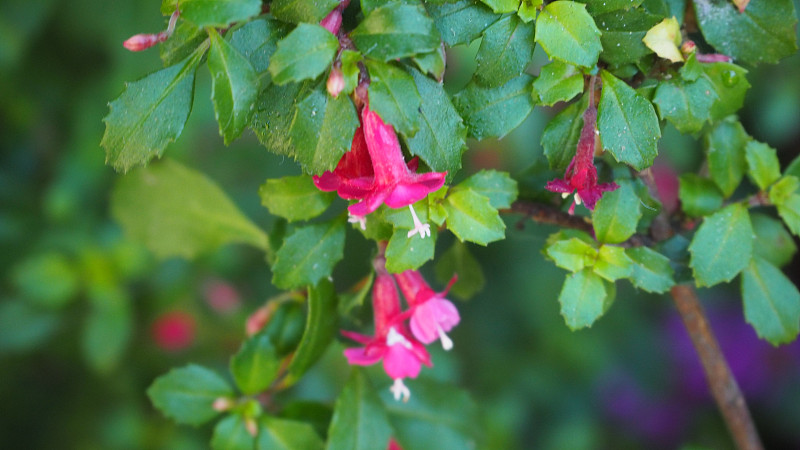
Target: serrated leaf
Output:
[
  {"x": 471, "y": 217},
  {"x": 275, "y": 111},
  {"x": 583, "y": 298},
  {"x": 572, "y": 254},
  {"x": 296, "y": 11},
  {"x": 304, "y": 54},
  {"x": 664, "y": 39},
  {"x": 396, "y": 30},
  {"x": 612, "y": 263},
  {"x": 407, "y": 253},
  {"x": 176, "y": 211},
  {"x": 725, "y": 147},
  {"x": 321, "y": 326},
  {"x": 773, "y": 242},
  {"x": 623, "y": 34},
  {"x": 627, "y": 123},
  {"x": 568, "y": 33},
  {"x": 432, "y": 63},
  {"x": 767, "y": 28},
  {"x": 183, "y": 42},
  {"x": 255, "y": 365},
  {"x": 557, "y": 82},
  {"x": 282, "y": 434},
  {"x": 498, "y": 187},
  {"x": 505, "y": 51},
  {"x": 308, "y": 255},
  {"x": 771, "y": 302},
  {"x": 187, "y": 394},
  {"x": 731, "y": 85},
  {"x": 461, "y": 22},
  {"x": 294, "y": 198},
  {"x": 231, "y": 433},
  {"x": 529, "y": 9},
  {"x": 234, "y": 86},
  {"x": 651, "y": 270},
  {"x": 394, "y": 96},
  {"x": 686, "y": 105},
  {"x": 108, "y": 329},
  {"x": 560, "y": 136},
  {"x": 494, "y": 112},
  {"x": 762, "y": 164},
  {"x": 258, "y": 39},
  {"x": 789, "y": 211},
  {"x": 722, "y": 246},
  {"x": 322, "y": 130},
  {"x": 699, "y": 196},
  {"x": 216, "y": 13},
  {"x": 439, "y": 141},
  {"x": 502, "y": 6},
  {"x": 616, "y": 215},
  {"x": 150, "y": 114},
  {"x": 458, "y": 260},
  {"x": 359, "y": 420}
]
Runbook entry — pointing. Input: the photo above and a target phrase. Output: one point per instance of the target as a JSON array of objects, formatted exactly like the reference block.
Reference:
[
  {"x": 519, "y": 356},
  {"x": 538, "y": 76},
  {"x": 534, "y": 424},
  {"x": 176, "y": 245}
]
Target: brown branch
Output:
[{"x": 724, "y": 388}]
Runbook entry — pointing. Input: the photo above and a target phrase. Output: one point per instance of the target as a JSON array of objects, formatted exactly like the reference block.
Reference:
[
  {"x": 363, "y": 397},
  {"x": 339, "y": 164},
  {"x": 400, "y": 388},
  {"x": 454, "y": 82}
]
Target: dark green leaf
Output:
[
  {"x": 359, "y": 419},
  {"x": 627, "y": 123},
  {"x": 294, "y": 198},
  {"x": 616, "y": 215},
  {"x": 355, "y": 297},
  {"x": 396, "y": 30},
  {"x": 177, "y": 211},
  {"x": 276, "y": 109},
  {"x": 498, "y": 187},
  {"x": 108, "y": 329},
  {"x": 231, "y": 433},
  {"x": 24, "y": 326},
  {"x": 771, "y": 302},
  {"x": 321, "y": 326},
  {"x": 722, "y": 246},
  {"x": 765, "y": 30},
  {"x": 730, "y": 83},
  {"x": 612, "y": 263},
  {"x": 304, "y": 54},
  {"x": 699, "y": 196},
  {"x": 150, "y": 114},
  {"x": 432, "y": 63},
  {"x": 651, "y": 270},
  {"x": 560, "y": 136},
  {"x": 217, "y": 13},
  {"x": 458, "y": 260},
  {"x": 686, "y": 105},
  {"x": 471, "y": 217},
  {"x": 623, "y": 31},
  {"x": 495, "y": 112},
  {"x": 281, "y": 434},
  {"x": 725, "y": 145},
  {"x": 762, "y": 164},
  {"x": 296, "y": 11},
  {"x": 257, "y": 40},
  {"x": 308, "y": 255},
  {"x": 183, "y": 42},
  {"x": 505, "y": 51},
  {"x": 461, "y": 22},
  {"x": 48, "y": 279},
  {"x": 187, "y": 394},
  {"x": 394, "y": 96},
  {"x": 557, "y": 82},
  {"x": 773, "y": 242},
  {"x": 255, "y": 365},
  {"x": 568, "y": 33},
  {"x": 571, "y": 254},
  {"x": 584, "y": 298},
  {"x": 406, "y": 253},
  {"x": 596, "y": 7}
]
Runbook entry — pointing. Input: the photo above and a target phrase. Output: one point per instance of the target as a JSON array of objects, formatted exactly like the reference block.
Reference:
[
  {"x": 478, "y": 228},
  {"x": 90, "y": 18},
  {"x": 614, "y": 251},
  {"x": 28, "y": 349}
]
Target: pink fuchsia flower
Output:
[
  {"x": 402, "y": 355},
  {"x": 432, "y": 315},
  {"x": 174, "y": 331},
  {"x": 581, "y": 174}
]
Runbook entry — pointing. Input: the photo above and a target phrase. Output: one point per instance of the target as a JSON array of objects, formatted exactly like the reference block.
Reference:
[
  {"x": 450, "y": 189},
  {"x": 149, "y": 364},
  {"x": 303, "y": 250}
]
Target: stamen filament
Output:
[
  {"x": 400, "y": 390},
  {"x": 423, "y": 229}
]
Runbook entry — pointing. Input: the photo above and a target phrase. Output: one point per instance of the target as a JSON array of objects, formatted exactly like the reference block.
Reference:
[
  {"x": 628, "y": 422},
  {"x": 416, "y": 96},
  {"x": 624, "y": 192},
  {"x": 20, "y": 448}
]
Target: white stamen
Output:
[
  {"x": 400, "y": 390},
  {"x": 393, "y": 337},
  {"x": 565, "y": 194},
  {"x": 422, "y": 228},
  {"x": 447, "y": 343},
  {"x": 577, "y": 199},
  {"x": 360, "y": 220}
]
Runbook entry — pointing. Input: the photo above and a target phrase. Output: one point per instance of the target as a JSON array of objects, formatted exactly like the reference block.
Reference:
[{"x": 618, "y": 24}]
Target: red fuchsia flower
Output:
[
  {"x": 581, "y": 175},
  {"x": 141, "y": 42},
  {"x": 432, "y": 315},
  {"x": 402, "y": 355},
  {"x": 174, "y": 331}
]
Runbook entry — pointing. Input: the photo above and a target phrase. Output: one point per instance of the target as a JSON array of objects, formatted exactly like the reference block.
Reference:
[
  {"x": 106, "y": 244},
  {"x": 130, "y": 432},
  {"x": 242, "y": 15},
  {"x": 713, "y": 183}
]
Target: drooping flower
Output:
[
  {"x": 401, "y": 353},
  {"x": 432, "y": 315},
  {"x": 581, "y": 174}
]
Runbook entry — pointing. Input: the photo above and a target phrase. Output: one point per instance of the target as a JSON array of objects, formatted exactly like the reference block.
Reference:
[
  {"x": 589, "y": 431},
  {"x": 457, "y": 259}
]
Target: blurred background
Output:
[{"x": 89, "y": 318}]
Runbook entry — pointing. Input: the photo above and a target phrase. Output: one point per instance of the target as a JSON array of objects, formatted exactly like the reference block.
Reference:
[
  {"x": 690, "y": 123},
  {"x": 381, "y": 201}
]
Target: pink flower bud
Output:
[
  {"x": 335, "y": 83},
  {"x": 141, "y": 42},
  {"x": 251, "y": 426},
  {"x": 222, "y": 404},
  {"x": 174, "y": 331}
]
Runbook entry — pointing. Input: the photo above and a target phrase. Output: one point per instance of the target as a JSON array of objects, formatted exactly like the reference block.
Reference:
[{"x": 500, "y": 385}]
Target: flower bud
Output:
[
  {"x": 335, "y": 82},
  {"x": 222, "y": 404},
  {"x": 141, "y": 42}
]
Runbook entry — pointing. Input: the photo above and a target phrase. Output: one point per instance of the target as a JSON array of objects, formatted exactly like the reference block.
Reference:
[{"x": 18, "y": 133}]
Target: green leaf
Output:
[
  {"x": 725, "y": 146},
  {"x": 773, "y": 242},
  {"x": 108, "y": 329},
  {"x": 47, "y": 279},
  {"x": 321, "y": 327},
  {"x": 603, "y": 6},
  {"x": 282, "y": 434},
  {"x": 627, "y": 123},
  {"x": 234, "y": 87},
  {"x": 440, "y": 139},
  {"x": 356, "y": 295},
  {"x": 529, "y": 9},
  {"x": 623, "y": 32},
  {"x": 722, "y": 246},
  {"x": 231, "y": 433},
  {"x": 432, "y": 63},
  {"x": 651, "y": 270},
  {"x": 557, "y": 82},
  {"x": 762, "y": 164},
  {"x": 406, "y": 253},
  {"x": 612, "y": 263},
  {"x": 176, "y": 211},
  {"x": 783, "y": 189},
  {"x": 471, "y": 217},
  {"x": 359, "y": 420},
  {"x": 502, "y": 6},
  {"x": 771, "y": 302},
  {"x": 308, "y": 255},
  {"x": 786, "y": 196},
  {"x": 258, "y": 39},
  {"x": 322, "y": 130},
  {"x": 218, "y": 13},
  {"x": 396, "y": 30},
  {"x": 498, "y": 187},
  {"x": 275, "y": 111},
  {"x": 187, "y": 394},
  {"x": 394, "y": 96},
  {"x": 350, "y": 69},
  {"x": 561, "y": 135},
  {"x": 296, "y": 11},
  {"x": 699, "y": 196},
  {"x": 304, "y": 54},
  {"x": 766, "y": 29},
  {"x": 150, "y": 114},
  {"x": 285, "y": 327},
  {"x": 686, "y": 105},
  {"x": 616, "y": 215},
  {"x": 255, "y": 365},
  {"x": 793, "y": 168},
  {"x": 730, "y": 83},
  {"x": 458, "y": 260},
  {"x": 584, "y": 298},
  {"x": 494, "y": 112},
  {"x": 183, "y": 42},
  {"x": 568, "y": 33},
  {"x": 461, "y": 22},
  {"x": 572, "y": 254},
  {"x": 25, "y": 327},
  {"x": 294, "y": 198},
  {"x": 505, "y": 51}
]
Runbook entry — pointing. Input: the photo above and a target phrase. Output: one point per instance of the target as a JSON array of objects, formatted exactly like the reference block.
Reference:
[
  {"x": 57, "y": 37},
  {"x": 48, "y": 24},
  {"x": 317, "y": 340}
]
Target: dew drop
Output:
[{"x": 730, "y": 78}]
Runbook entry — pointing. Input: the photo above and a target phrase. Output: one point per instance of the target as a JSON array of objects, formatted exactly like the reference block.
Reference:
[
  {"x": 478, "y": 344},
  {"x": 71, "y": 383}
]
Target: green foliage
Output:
[
  {"x": 613, "y": 263},
  {"x": 281, "y": 434},
  {"x": 651, "y": 270},
  {"x": 498, "y": 187},
  {"x": 304, "y": 54},
  {"x": 573, "y": 254},
  {"x": 616, "y": 215},
  {"x": 396, "y": 30},
  {"x": 771, "y": 302},
  {"x": 623, "y": 32},
  {"x": 762, "y": 164},
  {"x": 584, "y": 298},
  {"x": 699, "y": 196},
  {"x": 296, "y": 11},
  {"x": 359, "y": 419},
  {"x": 685, "y": 104},
  {"x": 505, "y": 51},
  {"x": 458, "y": 260},
  {"x": 231, "y": 433},
  {"x": 255, "y": 365},
  {"x": 494, "y": 112},
  {"x": 187, "y": 394},
  {"x": 108, "y": 329},
  {"x": 460, "y": 22},
  {"x": 308, "y": 255},
  {"x": 722, "y": 246},
  {"x": 406, "y": 253},
  {"x": 772, "y": 243},
  {"x": 257, "y": 40},
  {"x": 294, "y": 198},
  {"x": 557, "y": 82},
  {"x": 561, "y": 135},
  {"x": 725, "y": 147},
  {"x": 471, "y": 217},
  {"x": 47, "y": 279},
  {"x": 568, "y": 33},
  {"x": 393, "y": 95},
  {"x": 320, "y": 328}
]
